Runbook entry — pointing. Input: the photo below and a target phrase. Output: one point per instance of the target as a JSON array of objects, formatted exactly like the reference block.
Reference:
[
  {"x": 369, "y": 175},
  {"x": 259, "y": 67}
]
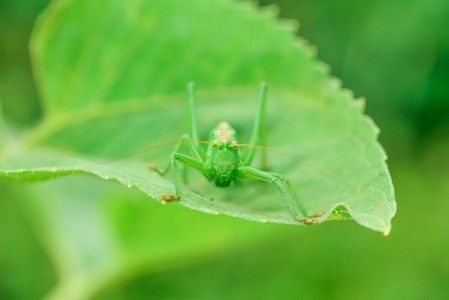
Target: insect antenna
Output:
[
  {"x": 327, "y": 174},
  {"x": 144, "y": 150}
]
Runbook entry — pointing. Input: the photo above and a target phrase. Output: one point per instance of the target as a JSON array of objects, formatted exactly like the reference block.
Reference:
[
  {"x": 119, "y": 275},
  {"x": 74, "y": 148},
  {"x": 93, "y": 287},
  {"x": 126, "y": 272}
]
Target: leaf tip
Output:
[
  {"x": 375, "y": 128},
  {"x": 387, "y": 232},
  {"x": 269, "y": 11},
  {"x": 348, "y": 93},
  {"x": 311, "y": 50},
  {"x": 335, "y": 82},
  {"x": 289, "y": 25},
  {"x": 323, "y": 67},
  {"x": 361, "y": 103}
]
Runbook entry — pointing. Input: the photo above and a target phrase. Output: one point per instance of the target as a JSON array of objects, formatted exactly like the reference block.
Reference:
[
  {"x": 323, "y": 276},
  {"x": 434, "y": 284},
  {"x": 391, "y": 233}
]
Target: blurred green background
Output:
[{"x": 394, "y": 53}]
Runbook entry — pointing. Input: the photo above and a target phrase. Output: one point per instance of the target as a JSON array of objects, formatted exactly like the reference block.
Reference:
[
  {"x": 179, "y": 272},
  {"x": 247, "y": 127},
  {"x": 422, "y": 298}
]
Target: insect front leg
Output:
[
  {"x": 251, "y": 173},
  {"x": 188, "y": 161},
  {"x": 194, "y": 151}
]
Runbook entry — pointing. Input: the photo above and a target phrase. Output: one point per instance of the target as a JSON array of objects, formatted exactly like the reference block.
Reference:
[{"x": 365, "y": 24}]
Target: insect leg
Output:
[
  {"x": 308, "y": 219},
  {"x": 190, "y": 117},
  {"x": 258, "y": 136},
  {"x": 292, "y": 191},
  {"x": 192, "y": 130},
  {"x": 193, "y": 150},
  {"x": 187, "y": 160},
  {"x": 251, "y": 173}
]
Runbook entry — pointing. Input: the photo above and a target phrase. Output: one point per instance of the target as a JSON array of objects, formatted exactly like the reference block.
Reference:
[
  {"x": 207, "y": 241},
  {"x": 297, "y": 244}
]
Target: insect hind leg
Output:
[
  {"x": 292, "y": 190},
  {"x": 252, "y": 173},
  {"x": 258, "y": 135},
  {"x": 307, "y": 219}
]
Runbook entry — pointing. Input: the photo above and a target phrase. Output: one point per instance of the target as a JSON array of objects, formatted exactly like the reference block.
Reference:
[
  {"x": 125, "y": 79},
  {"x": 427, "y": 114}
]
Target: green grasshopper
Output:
[{"x": 223, "y": 162}]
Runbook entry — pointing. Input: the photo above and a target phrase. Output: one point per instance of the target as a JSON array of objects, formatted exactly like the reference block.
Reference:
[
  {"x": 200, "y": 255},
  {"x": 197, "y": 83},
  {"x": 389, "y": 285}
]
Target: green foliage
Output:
[
  {"x": 112, "y": 80},
  {"x": 99, "y": 88},
  {"x": 111, "y": 85},
  {"x": 81, "y": 236}
]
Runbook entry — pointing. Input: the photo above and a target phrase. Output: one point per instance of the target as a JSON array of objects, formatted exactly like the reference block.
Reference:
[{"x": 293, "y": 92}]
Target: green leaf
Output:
[
  {"x": 101, "y": 235},
  {"x": 115, "y": 83}
]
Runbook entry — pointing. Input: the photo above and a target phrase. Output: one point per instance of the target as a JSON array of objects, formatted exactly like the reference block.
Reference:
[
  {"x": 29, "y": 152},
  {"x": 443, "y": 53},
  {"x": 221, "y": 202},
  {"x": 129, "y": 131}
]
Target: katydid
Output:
[{"x": 223, "y": 161}]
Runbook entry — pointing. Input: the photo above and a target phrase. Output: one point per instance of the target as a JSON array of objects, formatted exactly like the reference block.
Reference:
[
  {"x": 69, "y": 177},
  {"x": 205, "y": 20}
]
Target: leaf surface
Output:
[{"x": 113, "y": 82}]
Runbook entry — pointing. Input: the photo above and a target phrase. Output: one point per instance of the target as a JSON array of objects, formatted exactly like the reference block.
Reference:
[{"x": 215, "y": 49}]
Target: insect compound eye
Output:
[
  {"x": 216, "y": 145},
  {"x": 233, "y": 145}
]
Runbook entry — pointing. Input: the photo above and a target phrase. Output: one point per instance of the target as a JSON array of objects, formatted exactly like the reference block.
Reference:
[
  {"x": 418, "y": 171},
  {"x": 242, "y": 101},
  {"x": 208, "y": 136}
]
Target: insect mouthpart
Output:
[{"x": 222, "y": 182}]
